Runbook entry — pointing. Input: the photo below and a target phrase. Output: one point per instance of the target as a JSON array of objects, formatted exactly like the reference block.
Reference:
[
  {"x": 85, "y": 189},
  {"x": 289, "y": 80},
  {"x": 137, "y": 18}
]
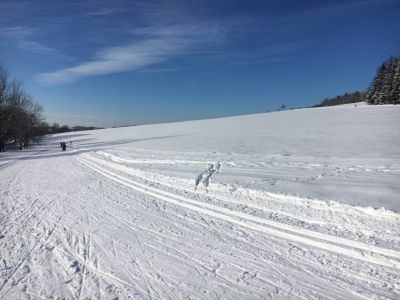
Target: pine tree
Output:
[{"x": 385, "y": 88}]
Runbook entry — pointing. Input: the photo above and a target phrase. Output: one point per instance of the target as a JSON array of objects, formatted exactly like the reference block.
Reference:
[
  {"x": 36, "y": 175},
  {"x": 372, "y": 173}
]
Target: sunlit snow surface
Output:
[{"x": 295, "y": 204}]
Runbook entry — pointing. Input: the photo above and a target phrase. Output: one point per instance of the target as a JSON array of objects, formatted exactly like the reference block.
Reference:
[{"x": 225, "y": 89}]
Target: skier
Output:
[{"x": 63, "y": 146}]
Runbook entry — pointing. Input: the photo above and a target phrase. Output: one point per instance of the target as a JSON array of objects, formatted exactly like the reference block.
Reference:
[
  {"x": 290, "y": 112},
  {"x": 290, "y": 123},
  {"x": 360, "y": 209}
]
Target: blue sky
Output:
[{"x": 108, "y": 63}]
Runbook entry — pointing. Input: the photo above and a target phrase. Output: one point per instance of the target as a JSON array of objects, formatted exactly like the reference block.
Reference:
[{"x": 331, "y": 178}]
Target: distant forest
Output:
[
  {"x": 384, "y": 88},
  {"x": 343, "y": 99}
]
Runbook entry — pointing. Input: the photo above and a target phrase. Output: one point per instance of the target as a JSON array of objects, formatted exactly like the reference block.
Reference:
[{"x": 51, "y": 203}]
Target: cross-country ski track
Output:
[
  {"x": 123, "y": 235},
  {"x": 139, "y": 218},
  {"x": 229, "y": 215}
]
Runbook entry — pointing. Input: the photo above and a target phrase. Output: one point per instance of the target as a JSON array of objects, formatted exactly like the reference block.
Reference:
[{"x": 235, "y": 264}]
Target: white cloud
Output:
[
  {"x": 23, "y": 38},
  {"x": 155, "y": 45},
  {"x": 116, "y": 59},
  {"x": 102, "y": 12},
  {"x": 335, "y": 8}
]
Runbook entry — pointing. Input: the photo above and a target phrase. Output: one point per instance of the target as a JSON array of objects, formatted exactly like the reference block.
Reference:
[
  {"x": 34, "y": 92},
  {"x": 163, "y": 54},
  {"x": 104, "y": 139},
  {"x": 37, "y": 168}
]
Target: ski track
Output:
[
  {"x": 309, "y": 233},
  {"x": 127, "y": 232},
  {"x": 228, "y": 215}
]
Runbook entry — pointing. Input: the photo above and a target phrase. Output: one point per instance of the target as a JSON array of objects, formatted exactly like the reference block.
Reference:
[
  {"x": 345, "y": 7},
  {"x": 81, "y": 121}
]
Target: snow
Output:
[{"x": 295, "y": 204}]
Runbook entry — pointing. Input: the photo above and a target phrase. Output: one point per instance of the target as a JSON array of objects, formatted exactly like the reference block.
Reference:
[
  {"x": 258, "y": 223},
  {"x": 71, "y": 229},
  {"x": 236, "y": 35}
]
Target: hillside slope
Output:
[
  {"x": 297, "y": 204},
  {"x": 343, "y": 153}
]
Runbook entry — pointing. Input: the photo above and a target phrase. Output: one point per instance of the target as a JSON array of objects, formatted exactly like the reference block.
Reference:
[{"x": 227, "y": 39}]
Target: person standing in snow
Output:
[{"x": 63, "y": 146}]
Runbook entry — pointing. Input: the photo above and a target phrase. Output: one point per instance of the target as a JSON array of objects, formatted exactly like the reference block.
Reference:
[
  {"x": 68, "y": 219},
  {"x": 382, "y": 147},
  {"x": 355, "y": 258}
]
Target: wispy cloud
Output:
[
  {"x": 154, "y": 45},
  {"x": 169, "y": 31},
  {"x": 102, "y": 12},
  {"x": 336, "y": 8},
  {"x": 23, "y": 37}
]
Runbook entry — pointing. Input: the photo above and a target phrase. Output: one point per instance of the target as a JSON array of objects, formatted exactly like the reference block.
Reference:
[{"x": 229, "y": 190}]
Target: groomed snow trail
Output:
[
  {"x": 302, "y": 204},
  {"x": 82, "y": 226}
]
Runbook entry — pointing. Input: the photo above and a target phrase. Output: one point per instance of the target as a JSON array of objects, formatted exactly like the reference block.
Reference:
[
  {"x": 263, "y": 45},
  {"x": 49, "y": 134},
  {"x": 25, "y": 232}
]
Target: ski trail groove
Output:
[
  {"x": 39, "y": 239},
  {"x": 287, "y": 227},
  {"x": 312, "y": 234},
  {"x": 341, "y": 245}
]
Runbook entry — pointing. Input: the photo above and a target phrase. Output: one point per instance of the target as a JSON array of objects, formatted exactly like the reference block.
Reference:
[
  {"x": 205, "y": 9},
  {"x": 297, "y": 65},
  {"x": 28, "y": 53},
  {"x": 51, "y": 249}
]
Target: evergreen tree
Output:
[{"x": 385, "y": 88}]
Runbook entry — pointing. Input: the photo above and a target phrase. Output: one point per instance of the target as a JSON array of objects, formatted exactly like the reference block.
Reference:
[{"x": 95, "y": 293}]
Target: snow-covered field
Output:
[{"x": 301, "y": 204}]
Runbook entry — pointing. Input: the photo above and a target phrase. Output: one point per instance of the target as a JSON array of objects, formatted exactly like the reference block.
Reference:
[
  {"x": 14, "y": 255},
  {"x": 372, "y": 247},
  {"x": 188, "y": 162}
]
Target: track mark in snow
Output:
[
  {"x": 341, "y": 246},
  {"x": 28, "y": 255},
  {"x": 149, "y": 161},
  {"x": 177, "y": 253},
  {"x": 86, "y": 243},
  {"x": 287, "y": 227},
  {"x": 5, "y": 165},
  {"x": 205, "y": 177}
]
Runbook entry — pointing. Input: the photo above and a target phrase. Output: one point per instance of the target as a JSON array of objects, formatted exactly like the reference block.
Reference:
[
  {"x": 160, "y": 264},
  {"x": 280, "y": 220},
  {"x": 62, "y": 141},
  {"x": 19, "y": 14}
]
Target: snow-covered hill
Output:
[
  {"x": 343, "y": 153},
  {"x": 294, "y": 204}
]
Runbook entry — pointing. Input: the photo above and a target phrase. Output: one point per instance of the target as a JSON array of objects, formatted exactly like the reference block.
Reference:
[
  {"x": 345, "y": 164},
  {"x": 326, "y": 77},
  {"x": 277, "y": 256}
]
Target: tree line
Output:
[
  {"x": 384, "y": 88},
  {"x": 343, "y": 99},
  {"x": 21, "y": 119}
]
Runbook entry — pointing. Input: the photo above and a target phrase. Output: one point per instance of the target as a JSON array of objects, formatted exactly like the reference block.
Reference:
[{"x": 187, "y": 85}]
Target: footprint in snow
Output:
[{"x": 205, "y": 177}]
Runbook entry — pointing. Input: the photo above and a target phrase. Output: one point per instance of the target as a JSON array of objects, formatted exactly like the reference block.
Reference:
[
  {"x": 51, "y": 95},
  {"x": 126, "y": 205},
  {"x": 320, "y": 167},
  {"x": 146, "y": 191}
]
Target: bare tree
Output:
[
  {"x": 19, "y": 114},
  {"x": 5, "y": 117}
]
